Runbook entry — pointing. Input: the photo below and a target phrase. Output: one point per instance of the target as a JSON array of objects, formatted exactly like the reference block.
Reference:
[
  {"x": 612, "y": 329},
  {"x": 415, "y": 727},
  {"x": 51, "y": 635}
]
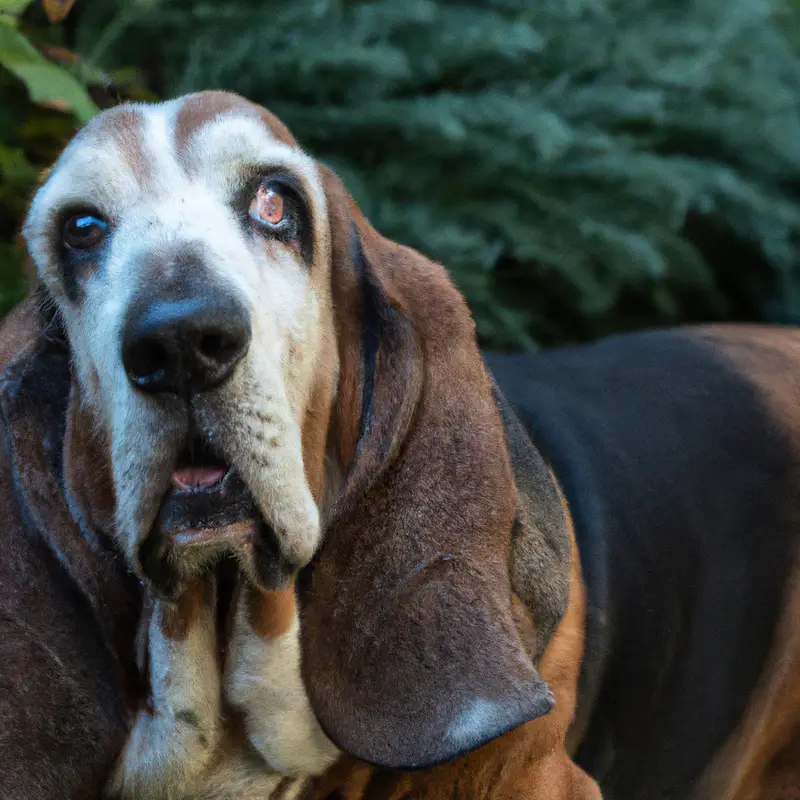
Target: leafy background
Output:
[{"x": 581, "y": 166}]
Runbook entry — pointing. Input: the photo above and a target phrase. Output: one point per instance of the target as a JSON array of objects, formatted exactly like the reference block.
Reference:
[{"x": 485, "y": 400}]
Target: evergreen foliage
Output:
[
  {"x": 581, "y": 166},
  {"x": 41, "y": 105}
]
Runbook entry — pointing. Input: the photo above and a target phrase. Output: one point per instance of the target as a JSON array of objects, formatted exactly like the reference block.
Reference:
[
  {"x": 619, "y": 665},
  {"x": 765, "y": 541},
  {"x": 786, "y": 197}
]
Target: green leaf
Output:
[
  {"x": 47, "y": 83},
  {"x": 13, "y": 7},
  {"x": 15, "y": 168}
]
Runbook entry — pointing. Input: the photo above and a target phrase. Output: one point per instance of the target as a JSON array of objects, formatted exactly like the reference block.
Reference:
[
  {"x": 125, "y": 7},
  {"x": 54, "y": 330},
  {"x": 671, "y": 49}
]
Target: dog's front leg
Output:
[
  {"x": 174, "y": 740},
  {"x": 263, "y": 683}
]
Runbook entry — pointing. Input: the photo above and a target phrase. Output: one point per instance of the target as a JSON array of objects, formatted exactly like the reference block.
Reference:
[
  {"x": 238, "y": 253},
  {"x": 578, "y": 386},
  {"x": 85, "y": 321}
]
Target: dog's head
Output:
[
  {"x": 251, "y": 357},
  {"x": 188, "y": 249}
]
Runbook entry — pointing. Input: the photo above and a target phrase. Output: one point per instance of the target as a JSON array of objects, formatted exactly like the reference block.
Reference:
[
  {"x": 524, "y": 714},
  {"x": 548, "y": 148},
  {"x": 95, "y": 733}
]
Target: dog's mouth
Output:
[
  {"x": 198, "y": 469},
  {"x": 208, "y": 514},
  {"x": 206, "y": 504}
]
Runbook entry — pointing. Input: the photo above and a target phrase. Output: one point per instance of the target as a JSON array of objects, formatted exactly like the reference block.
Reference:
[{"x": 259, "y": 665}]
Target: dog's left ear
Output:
[{"x": 410, "y": 651}]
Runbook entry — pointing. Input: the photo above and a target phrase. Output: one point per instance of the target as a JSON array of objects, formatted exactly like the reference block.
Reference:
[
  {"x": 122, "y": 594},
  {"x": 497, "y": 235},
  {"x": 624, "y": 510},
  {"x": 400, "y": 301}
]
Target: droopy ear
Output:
[
  {"x": 540, "y": 543},
  {"x": 410, "y": 652}
]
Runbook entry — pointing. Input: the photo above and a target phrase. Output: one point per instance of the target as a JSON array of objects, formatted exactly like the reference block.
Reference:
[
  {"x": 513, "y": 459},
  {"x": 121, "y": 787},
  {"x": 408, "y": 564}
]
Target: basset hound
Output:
[{"x": 275, "y": 528}]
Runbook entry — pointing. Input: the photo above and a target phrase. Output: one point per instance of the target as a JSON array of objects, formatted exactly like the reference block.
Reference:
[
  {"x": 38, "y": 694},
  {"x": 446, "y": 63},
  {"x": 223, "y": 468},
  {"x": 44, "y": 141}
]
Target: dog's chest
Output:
[{"x": 237, "y": 727}]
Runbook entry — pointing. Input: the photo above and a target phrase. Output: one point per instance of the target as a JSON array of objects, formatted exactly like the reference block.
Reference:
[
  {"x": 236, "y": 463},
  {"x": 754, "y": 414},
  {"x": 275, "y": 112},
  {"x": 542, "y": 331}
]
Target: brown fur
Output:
[
  {"x": 317, "y": 421},
  {"x": 404, "y": 529},
  {"x": 200, "y": 109},
  {"x": 88, "y": 477},
  {"x": 271, "y": 613},
  {"x": 540, "y": 542},
  {"x": 762, "y": 759},
  {"x": 348, "y": 306},
  {"x": 67, "y": 604},
  {"x": 124, "y": 127},
  {"x": 427, "y": 472},
  {"x": 179, "y": 617},
  {"x": 528, "y": 762},
  {"x": 20, "y": 331}
]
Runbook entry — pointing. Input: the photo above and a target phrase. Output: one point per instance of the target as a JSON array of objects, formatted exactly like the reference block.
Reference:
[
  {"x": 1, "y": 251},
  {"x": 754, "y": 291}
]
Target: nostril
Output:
[
  {"x": 215, "y": 345},
  {"x": 147, "y": 362},
  {"x": 221, "y": 347}
]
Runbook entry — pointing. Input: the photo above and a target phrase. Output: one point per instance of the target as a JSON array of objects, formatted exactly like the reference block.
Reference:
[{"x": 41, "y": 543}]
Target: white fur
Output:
[
  {"x": 263, "y": 683},
  {"x": 167, "y": 755}
]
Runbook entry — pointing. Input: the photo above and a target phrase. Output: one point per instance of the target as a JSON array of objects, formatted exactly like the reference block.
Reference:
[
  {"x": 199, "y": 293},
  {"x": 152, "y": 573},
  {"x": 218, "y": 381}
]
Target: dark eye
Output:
[
  {"x": 84, "y": 231},
  {"x": 268, "y": 206}
]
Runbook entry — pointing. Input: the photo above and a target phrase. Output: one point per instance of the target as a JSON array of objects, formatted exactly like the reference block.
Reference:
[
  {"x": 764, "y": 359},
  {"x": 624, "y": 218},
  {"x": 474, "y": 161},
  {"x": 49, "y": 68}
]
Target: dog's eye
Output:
[
  {"x": 276, "y": 210},
  {"x": 84, "y": 231},
  {"x": 268, "y": 206}
]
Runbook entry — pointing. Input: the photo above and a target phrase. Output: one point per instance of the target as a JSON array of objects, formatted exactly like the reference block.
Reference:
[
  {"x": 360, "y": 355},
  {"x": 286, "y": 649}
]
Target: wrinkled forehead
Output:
[{"x": 148, "y": 150}]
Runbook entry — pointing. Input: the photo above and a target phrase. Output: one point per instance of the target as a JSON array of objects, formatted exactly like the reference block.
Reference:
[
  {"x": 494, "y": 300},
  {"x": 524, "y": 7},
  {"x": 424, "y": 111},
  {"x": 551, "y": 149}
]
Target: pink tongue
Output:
[{"x": 197, "y": 477}]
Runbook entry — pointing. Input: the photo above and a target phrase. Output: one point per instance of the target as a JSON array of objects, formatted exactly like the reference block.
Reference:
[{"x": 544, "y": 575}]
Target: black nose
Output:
[{"x": 184, "y": 345}]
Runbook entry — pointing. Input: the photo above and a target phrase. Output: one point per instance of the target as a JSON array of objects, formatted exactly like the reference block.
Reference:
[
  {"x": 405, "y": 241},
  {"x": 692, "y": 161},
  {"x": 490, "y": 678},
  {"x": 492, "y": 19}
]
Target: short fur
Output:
[{"x": 678, "y": 453}]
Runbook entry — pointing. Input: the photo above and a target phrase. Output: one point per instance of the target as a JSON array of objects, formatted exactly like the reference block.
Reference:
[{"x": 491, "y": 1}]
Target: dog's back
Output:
[{"x": 679, "y": 454}]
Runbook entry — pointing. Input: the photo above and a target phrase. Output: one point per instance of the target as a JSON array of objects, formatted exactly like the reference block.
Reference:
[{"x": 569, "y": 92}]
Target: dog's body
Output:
[
  {"x": 679, "y": 454},
  {"x": 336, "y": 379}
]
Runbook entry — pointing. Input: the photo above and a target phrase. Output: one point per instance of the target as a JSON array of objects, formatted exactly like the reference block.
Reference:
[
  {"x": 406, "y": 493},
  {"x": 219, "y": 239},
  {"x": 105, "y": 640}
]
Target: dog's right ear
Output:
[{"x": 411, "y": 654}]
